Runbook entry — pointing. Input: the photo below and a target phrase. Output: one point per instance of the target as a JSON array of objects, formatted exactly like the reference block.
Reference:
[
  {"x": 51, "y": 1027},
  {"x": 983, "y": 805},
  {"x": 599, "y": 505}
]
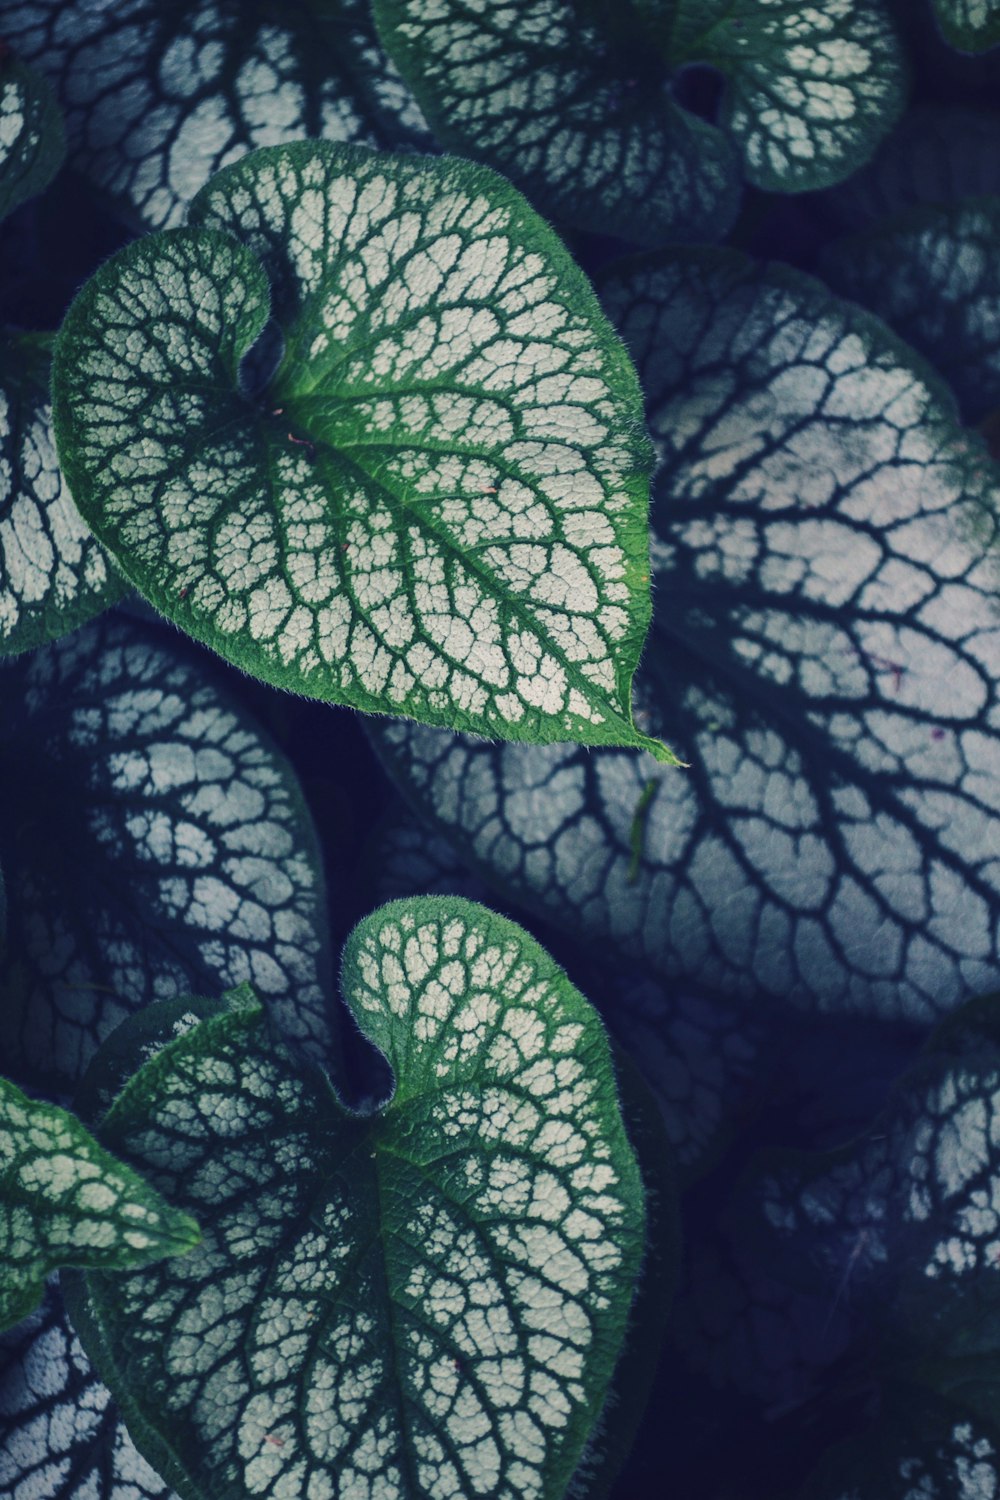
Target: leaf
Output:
[
  {"x": 969, "y": 25},
  {"x": 921, "y": 1447},
  {"x": 932, "y": 274},
  {"x": 810, "y": 90},
  {"x": 53, "y": 574},
  {"x": 438, "y": 509},
  {"x": 64, "y": 1200},
  {"x": 430, "y": 1299},
  {"x": 574, "y": 106},
  {"x": 159, "y": 94},
  {"x": 63, "y": 1436},
  {"x": 153, "y": 842},
  {"x": 825, "y": 651},
  {"x": 32, "y": 146}
]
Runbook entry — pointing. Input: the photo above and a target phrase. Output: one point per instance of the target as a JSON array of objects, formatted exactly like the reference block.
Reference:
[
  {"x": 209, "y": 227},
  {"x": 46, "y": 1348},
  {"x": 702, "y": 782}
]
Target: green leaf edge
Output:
[
  {"x": 544, "y": 239},
  {"x": 50, "y": 152},
  {"x": 242, "y": 1005},
  {"x": 180, "y": 1234}
]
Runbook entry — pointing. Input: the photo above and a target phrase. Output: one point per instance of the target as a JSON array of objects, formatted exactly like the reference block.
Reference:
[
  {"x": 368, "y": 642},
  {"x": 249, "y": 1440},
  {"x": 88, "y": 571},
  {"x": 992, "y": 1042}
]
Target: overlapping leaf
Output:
[
  {"x": 428, "y": 1299},
  {"x": 573, "y": 104},
  {"x": 159, "y": 94},
  {"x": 65, "y": 1201},
  {"x": 581, "y": 112},
  {"x": 152, "y": 842},
  {"x": 933, "y": 274},
  {"x": 53, "y": 573},
  {"x": 439, "y": 506},
  {"x": 970, "y": 25},
  {"x": 826, "y": 653},
  {"x": 810, "y": 90},
  {"x": 32, "y": 145},
  {"x": 61, "y": 1437}
]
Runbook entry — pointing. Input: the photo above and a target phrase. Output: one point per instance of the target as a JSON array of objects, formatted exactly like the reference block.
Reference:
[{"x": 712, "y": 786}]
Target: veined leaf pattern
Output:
[{"x": 826, "y": 643}]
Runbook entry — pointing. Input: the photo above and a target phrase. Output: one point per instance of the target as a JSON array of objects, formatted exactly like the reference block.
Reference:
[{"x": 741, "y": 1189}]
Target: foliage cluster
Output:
[{"x": 603, "y": 397}]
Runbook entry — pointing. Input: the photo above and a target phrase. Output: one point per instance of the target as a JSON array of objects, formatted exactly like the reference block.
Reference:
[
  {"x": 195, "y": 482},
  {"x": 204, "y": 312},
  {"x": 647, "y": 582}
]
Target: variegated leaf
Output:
[{"x": 827, "y": 642}]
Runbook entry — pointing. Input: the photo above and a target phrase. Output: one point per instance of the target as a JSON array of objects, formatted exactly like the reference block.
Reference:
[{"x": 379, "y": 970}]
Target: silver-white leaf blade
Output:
[
  {"x": 154, "y": 843},
  {"x": 827, "y": 641}
]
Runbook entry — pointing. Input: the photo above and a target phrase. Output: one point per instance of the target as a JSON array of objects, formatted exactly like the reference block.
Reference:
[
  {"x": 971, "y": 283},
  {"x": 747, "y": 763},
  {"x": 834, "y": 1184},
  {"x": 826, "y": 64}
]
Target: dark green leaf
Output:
[
  {"x": 438, "y": 509},
  {"x": 825, "y": 652},
  {"x": 969, "y": 25},
  {"x": 32, "y": 146},
  {"x": 153, "y": 842},
  {"x": 428, "y": 1300},
  {"x": 159, "y": 94},
  {"x": 65, "y": 1201}
]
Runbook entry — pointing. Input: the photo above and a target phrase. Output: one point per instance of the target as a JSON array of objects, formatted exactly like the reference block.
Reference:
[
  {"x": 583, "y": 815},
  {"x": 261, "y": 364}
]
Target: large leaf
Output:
[
  {"x": 826, "y": 652},
  {"x": 580, "y": 111},
  {"x": 431, "y": 1297},
  {"x": 970, "y": 25},
  {"x": 65, "y": 1201},
  {"x": 53, "y": 574},
  {"x": 153, "y": 842},
  {"x": 61, "y": 1437},
  {"x": 159, "y": 94},
  {"x": 32, "y": 146},
  {"x": 810, "y": 90},
  {"x": 438, "y": 508},
  {"x": 933, "y": 274}
]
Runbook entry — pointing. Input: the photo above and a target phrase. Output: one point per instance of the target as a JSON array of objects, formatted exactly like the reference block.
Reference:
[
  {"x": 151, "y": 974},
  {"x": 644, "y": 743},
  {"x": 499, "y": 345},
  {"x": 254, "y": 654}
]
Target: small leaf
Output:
[
  {"x": 810, "y": 90},
  {"x": 428, "y": 1300},
  {"x": 63, "y": 1436},
  {"x": 933, "y": 274},
  {"x": 572, "y": 103},
  {"x": 32, "y": 146},
  {"x": 438, "y": 509},
  {"x": 159, "y": 94},
  {"x": 53, "y": 574},
  {"x": 826, "y": 654},
  {"x": 969, "y": 25},
  {"x": 153, "y": 843},
  {"x": 65, "y": 1201}
]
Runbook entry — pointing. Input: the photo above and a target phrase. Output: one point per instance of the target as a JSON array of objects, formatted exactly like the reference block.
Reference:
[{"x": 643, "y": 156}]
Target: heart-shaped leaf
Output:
[
  {"x": 153, "y": 842},
  {"x": 810, "y": 90},
  {"x": 53, "y": 573},
  {"x": 62, "y": 1436},
  {"x": 159, "y": 94},
  {"x": 438, "y": 509},
  {"x": 430, "y": 1298},
  {"x": 32, "y": 145},
  {"x": 65, "y": 1201},
  {"x": 933, "y": 274},
  {"x": 573, "y": 104},
  {"x": 826, "y": 651},
  {"x": 969, "y": 25}
]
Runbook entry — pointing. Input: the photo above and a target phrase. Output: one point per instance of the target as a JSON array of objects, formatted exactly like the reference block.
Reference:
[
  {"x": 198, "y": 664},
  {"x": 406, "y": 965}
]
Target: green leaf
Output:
[
  {"x": 921, "y": 1446},
  {"x": 427, "y": 1300},
  {"x": 63, "y": 1436},
  {"x": 53, "y": 574},
  {"x": 439, "y": 506},
  {"x": 933, "y": 274},
  {"x": 969, "y": 25},
  {"x": 65, "y": 1201},
  {"x": 153, "y": 842},
  {"x": 572, "y": 103},
  {"x": 810, "y": 90},
  {"x": 824, "y": 651},
  {"x": 159, "y": 94},
  {"x": 32, "y": 145}
]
